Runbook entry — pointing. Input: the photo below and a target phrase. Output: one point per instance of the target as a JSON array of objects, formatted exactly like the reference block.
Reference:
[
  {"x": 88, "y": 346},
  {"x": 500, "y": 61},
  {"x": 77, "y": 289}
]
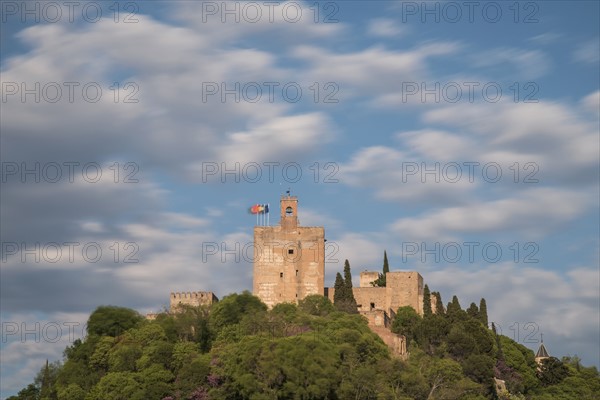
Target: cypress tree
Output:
[
  {"x": 456, "y": 304},
  {"x": 473, "y": 311},
  {"x": 386, "y": 269},
  {"x": 426, "y": 302},
  {"x": 45, "y": 386},
  {"x": 439, "y": 306},
  {"x": 339, "y": 289},
  {"x": 453, "y": 308},
  {"x": 498, "y": 343},
  {"x": 483, "y": 317},
  {"x": 348, "y": 279},
  {"x": 380, "y": 282},
  {"x": 349, "y": 302}
]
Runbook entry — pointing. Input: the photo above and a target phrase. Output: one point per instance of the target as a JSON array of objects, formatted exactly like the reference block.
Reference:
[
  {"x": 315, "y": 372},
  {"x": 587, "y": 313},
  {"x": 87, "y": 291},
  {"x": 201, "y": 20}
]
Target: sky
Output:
[{"x": 460, "y": 137}]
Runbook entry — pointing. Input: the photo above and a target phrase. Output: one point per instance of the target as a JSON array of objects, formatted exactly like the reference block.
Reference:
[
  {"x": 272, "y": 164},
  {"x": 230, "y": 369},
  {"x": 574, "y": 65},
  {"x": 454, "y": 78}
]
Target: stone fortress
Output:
[
  {"x": 193, "y": 299},
  {"x": 289, "y": 264}
]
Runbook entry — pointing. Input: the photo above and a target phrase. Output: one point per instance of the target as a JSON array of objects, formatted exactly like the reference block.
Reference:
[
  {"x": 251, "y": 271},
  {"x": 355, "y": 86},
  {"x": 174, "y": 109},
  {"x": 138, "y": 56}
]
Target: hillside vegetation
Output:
[{"x": 237, "y": 349}]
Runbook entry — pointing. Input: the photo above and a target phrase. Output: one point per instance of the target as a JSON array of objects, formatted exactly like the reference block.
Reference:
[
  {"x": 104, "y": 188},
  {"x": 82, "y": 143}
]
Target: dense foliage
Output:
[{"x": 237, "y": 349}]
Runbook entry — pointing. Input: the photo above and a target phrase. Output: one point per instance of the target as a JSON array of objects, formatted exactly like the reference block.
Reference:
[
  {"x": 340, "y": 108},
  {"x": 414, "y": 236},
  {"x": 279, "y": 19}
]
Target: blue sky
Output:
[{"x": 385, "y": 117}]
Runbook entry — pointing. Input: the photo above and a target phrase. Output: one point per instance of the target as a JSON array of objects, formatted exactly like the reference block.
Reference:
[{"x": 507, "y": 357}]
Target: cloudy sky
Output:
[{"x": 463, "y": 139}]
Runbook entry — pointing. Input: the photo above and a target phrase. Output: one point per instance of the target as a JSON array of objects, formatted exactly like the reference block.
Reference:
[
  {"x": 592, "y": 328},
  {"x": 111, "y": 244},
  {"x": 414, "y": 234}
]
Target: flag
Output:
[{"x": 259, "y": 209}]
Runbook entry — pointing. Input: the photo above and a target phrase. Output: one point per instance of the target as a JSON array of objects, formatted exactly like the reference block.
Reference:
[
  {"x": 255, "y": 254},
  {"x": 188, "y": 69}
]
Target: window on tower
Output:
[{"x": 289, "y": 211}]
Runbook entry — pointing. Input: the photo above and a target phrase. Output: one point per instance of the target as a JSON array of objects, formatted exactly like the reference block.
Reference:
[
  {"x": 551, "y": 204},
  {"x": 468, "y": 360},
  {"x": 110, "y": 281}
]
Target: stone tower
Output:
[{"x": 289, "y": 259}]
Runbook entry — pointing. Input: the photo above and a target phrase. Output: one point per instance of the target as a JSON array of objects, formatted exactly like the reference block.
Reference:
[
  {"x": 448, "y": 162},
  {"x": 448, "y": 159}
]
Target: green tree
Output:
[
  {"x": 442, "y": 373},
  {"x": 124, "y": 355},
  {"x": 479, "y": 367},
  {"x": 46, "y": 380},
  {"x": 339, "y": 294},
  {"x": 461, "y": 343},
  {"x": 431, "y": 334},
  {"x": 552, "y": 371},
  {"x": 348, "y": 278},
  {"x": 386, "y": 266},
  {"x": 155, "y": 382},
  {"x": 117, "y": 386},
  {"x": 112, "y": 321},
  {"x": 405, "y": 322},
  {"x": 439, "y": 306},
  {"x": 193, "y": 374},
  {"x": 192, "y": 323},
  {"x": 349, "y": 302},
  {"x": 454, "y": 312},
  {"x": 31, "y": 392},
  {"x": 71, "y": 392},
  {"x": 315, "y": 304},
  {"x": 483, "y": 316},
  {"x": 234, "y": 308},
  {"x": 473, "y": 311},
  {"x": 426, "y": 302}
]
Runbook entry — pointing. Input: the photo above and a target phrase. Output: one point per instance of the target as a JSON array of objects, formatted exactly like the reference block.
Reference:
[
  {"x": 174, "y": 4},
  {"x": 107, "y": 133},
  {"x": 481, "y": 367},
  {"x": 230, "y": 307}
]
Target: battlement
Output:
[{"x": 194, "y": 299}]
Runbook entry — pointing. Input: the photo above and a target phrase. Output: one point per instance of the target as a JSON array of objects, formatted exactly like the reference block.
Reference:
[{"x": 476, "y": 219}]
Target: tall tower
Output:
[{"x": 289, "y": 259}]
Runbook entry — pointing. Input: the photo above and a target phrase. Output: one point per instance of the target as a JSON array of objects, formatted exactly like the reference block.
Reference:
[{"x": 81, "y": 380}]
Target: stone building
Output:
[
  {"x": 194, "y": 299},
  {"x": 403, "y": 288},
  {"x": 289, "y": 259}
]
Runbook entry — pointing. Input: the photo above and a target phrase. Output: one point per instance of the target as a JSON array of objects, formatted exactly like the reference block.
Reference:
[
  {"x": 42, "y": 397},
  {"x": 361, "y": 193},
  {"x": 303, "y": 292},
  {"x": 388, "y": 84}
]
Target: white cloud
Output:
[
  {"x": 385, "y": 27},
  {"x": 591, "y": 103},
  {"x": 396, "y": 175},
  {"x": 528, "y": 64},
  {"x": 534, "y": 212},
  {"x": 289, "y": 21},
  {"x": 280, "y": 138},
  {"x": 375, "y": 71},
  {"x": 546, "y": 38},
  {"x": 529, "y": 132},
  {"x": 588, "y": 52},
  {"x": 438, "y": 145}
]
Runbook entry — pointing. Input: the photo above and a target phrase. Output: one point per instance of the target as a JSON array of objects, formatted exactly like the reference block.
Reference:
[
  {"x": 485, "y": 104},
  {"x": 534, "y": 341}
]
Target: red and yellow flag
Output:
[{"x": 257, "y": 209}]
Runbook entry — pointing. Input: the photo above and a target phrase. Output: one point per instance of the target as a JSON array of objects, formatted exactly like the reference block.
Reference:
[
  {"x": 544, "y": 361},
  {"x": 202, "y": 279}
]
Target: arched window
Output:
[{"x": 289, "y": 211}]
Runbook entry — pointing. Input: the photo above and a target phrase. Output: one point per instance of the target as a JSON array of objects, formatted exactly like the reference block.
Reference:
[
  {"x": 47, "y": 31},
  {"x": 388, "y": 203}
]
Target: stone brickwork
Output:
[
  {"x": 289, "y": 259},
  {"x": 194, "y": 299},
  {"x": 404, "y": 288},
  {"x": 367, "y": 278}
]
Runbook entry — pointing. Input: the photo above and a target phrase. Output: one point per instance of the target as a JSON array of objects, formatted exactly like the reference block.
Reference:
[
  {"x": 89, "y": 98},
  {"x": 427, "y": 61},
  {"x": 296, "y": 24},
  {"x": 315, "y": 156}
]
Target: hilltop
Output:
[{"x": 239, "y": 349}]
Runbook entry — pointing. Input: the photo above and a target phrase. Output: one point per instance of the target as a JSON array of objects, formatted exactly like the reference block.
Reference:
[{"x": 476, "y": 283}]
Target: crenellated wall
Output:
[{"x": 192, "y": 299}]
